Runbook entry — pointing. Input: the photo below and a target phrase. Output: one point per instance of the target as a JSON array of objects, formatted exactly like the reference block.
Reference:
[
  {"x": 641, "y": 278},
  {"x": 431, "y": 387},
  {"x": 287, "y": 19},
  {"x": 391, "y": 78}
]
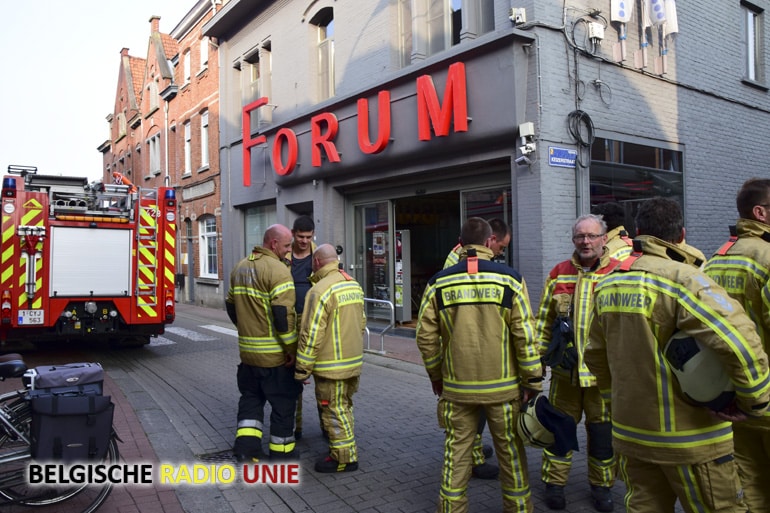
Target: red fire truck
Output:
[{"x": 85, "y": 260}]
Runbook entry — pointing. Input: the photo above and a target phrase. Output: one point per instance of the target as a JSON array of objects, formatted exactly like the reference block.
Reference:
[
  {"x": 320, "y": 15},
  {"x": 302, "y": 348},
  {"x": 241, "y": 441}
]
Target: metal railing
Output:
[{"x": 389, "y": 327}]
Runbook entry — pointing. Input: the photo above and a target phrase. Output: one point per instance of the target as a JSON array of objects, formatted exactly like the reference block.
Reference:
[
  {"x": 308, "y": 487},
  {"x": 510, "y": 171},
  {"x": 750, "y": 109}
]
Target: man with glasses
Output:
[
  {"x": 742, "y": 267},
  {"x": 562, "y": 329}
]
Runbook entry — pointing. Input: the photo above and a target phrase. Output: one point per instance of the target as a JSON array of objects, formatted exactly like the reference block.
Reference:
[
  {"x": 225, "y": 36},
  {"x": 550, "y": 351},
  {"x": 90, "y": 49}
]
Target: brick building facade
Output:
[{"x": 164, "y": 131}]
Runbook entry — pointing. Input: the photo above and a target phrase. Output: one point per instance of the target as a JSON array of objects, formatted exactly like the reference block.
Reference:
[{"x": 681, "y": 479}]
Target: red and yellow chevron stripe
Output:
[
  {"x": 147, "y": 246},
  {"x": 8, "y": 249}
]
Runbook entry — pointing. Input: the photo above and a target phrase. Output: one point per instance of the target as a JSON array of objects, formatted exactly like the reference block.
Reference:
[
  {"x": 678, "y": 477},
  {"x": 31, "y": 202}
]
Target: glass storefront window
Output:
[
  {"x": 258, "y": 218},
  {"x": 488, "y": 204},
  {"x": 630, "y": 173}
]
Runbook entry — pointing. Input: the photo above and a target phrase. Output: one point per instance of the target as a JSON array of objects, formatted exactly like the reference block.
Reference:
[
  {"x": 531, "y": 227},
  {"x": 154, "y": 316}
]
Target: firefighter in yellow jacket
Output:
[
  {"x": 260, "y": 303},
  {"x": 331, "y": 349},
  {"x": 562, "y": 319},
  {"x": 500, "y": 240},
  {"x": 742, "y": 267},
  {"x": 476, "y": 338},
  {"x": 671, "y": 448}
]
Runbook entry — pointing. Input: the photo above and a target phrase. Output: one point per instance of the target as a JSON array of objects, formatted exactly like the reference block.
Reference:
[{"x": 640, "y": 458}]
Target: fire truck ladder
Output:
[{"x": 147, "y": 247}]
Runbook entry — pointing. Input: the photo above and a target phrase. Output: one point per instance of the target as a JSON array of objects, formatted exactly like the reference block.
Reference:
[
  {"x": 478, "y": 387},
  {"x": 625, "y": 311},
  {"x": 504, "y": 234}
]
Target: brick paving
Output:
[{"x": 166, "y": 414}]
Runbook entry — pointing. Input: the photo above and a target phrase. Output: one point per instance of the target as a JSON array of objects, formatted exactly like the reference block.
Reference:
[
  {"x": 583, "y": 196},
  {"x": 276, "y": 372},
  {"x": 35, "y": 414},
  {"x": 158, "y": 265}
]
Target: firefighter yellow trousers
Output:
[
  {"x": 711, "y": 487},
  {"x": 752, "y": 454},
  {"x": 574, "y": 401},
  {"x": 461, "y": 426},
  {"x": 335, "y": 404}
]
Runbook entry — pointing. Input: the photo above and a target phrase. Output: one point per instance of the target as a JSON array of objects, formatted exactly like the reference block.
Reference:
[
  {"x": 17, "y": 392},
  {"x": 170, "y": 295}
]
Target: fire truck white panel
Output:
[{"x": 90, "y": 260}]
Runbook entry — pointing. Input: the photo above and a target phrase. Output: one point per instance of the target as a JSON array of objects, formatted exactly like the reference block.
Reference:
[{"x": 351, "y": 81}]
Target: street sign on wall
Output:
[{"x": 561, "y": 157}]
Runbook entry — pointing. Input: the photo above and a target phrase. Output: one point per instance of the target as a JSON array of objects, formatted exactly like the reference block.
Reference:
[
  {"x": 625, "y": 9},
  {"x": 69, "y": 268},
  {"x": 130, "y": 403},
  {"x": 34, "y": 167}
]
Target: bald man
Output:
[
  {"x": 331, "y": 349},
  {"x": 260, "y": 303}
]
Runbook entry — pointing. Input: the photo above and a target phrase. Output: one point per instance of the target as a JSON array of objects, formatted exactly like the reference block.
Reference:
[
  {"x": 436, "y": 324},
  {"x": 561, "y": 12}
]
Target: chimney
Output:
[
  {"x": 124, "y": 52},
  {"x": 154, "y": 24}
]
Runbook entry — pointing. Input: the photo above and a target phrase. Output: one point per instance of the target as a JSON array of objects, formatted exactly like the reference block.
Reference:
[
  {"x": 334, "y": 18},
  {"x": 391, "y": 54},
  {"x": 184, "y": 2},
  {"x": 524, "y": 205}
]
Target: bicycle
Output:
[{"x": 16, "y": 455}]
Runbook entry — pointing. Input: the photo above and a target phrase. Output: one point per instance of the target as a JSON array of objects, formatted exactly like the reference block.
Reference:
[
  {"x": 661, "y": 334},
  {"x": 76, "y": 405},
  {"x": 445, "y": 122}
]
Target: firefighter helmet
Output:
[
  {"x": 530, "y": 429},
  {"x": 699, "y": 371}
]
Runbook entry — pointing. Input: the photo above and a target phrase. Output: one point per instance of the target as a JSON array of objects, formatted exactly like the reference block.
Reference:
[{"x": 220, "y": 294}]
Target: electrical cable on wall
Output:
[{"x": 581, "y": 128}]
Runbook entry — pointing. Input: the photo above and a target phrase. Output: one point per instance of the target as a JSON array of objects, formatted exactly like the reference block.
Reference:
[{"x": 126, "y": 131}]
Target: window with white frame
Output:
[
  {"x": 209, "y": 258},
  {"x": 324, "y": 24},
  {"x": 251, "y": 87},
  {"x": 186, "y": 66},
  {"x": 753, "y": 21},
  {"x": 154, "y": 146},
  {"x": 204, "y": 53},
  {"x": 266, "y": 80},
  {"x": 204, "y": 139},
  {"x": 187, "y": 148},
  {"x": 441, "y": 24}
]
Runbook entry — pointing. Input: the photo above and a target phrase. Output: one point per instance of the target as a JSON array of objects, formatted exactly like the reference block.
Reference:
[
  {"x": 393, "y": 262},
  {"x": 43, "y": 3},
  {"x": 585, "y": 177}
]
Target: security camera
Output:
[{"x": 523, "y": 160}]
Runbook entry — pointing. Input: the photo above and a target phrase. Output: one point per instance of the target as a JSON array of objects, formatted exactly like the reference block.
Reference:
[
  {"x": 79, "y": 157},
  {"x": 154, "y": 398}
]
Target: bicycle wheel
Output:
[{"x": 14, "y": 488}]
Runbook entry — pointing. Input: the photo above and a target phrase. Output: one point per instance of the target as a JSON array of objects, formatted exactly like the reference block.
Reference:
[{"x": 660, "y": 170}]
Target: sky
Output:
[{"x": 61, "y": 60}]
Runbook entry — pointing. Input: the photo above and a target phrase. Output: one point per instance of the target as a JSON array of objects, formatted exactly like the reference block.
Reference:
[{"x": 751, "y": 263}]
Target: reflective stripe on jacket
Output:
[
  {"x": 744, "y": 272},
  {"x": 258, "y": 283},
  {"x": 568, "y": 292},
  {"x": 475, "y": 332},
  {"x": 636, "y": 312},
  {"x": 618, "y": 244},
  {"x": 331, "y": 341},
  {"x": 453, "y": 257}
]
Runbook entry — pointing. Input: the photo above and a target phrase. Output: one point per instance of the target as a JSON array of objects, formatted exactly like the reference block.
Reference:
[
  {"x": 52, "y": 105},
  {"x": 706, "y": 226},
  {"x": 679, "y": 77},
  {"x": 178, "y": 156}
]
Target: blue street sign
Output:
[{"x": 561, "y": 157}]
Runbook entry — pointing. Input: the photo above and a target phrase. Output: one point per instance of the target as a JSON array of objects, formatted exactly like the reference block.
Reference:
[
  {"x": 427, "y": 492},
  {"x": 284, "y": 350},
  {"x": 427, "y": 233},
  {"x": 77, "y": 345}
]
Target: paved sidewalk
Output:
[{"x": 399, "y": 443}]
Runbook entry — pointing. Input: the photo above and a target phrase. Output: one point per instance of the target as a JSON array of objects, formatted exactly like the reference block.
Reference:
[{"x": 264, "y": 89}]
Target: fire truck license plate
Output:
[{"x": 31, "y": 317}]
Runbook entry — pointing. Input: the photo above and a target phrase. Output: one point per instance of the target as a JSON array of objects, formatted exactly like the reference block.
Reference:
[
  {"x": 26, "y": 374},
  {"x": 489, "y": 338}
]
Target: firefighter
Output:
[
  {"x": 562, "y": 320},
  {"x": 670, "y": 448},
  {"x": 331, "y": 349},
  {"x": 476, "y": 338},
  {"x": 501, "y": 238},
  {"x": 618, "y": 244},
  {"x": 742, "y": 267},
  {"x": 260, "y": 303},
  {"x": 300, "y": 261}
]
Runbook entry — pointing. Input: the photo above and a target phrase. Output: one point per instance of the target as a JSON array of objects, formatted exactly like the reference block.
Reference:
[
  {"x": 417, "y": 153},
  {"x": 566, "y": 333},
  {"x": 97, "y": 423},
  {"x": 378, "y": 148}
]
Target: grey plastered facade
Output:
[{"x": 701, "y": 107}]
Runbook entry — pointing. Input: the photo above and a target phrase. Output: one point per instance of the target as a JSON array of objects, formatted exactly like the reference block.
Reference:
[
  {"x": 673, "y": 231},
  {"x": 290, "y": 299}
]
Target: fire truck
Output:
[{"x": 85, "y": 260}]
